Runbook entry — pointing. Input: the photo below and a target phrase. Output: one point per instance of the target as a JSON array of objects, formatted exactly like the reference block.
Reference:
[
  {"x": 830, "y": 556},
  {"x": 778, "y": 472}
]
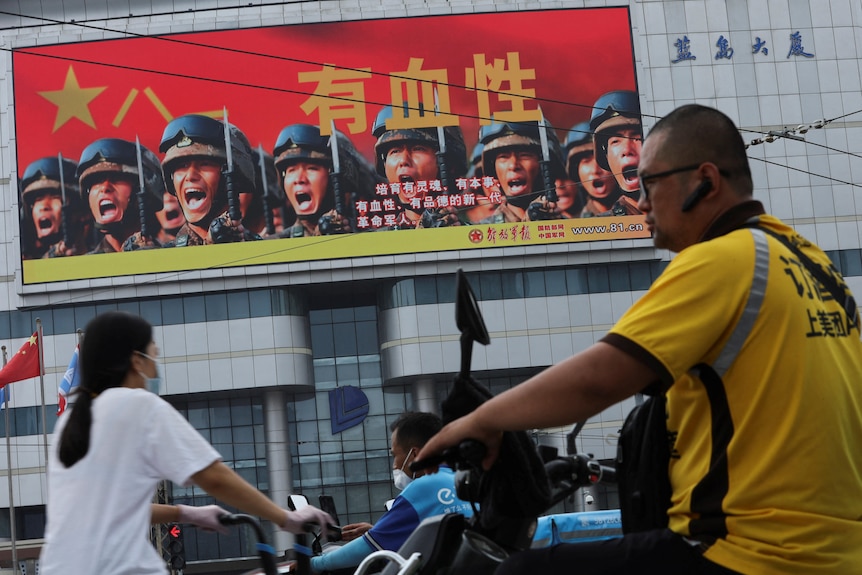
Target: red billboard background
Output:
[{"x": 69, "y": 95}]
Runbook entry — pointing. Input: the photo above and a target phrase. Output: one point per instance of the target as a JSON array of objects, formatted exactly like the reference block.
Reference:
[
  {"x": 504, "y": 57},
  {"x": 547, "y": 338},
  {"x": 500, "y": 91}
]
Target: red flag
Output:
[{"x": 24, "y": 364}]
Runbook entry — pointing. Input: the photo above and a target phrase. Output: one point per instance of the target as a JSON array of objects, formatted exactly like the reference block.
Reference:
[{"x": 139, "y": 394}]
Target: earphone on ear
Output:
[{"x": 698, "y": 194}]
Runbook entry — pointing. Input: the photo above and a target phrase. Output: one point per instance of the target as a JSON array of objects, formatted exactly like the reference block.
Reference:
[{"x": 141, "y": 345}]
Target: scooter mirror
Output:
[
  {"x": 468, "y": 317},
  {"x": 469, "y": 320},
  {"x": 296, "y": 502}
]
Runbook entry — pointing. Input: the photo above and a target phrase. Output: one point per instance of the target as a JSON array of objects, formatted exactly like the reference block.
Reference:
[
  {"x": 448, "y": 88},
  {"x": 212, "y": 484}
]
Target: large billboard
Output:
[{"x": 452, "y": 133}]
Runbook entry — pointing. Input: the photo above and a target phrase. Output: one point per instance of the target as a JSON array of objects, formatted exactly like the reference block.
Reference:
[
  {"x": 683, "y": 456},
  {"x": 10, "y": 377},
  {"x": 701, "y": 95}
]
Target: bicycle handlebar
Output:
[{"x": 266, "y": 551}]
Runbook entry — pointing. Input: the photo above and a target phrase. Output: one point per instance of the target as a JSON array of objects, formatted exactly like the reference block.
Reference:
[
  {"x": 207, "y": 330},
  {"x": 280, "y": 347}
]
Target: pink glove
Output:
[
  {"x": 205, "y": 517},
  {"x": 296, "y": 521}
]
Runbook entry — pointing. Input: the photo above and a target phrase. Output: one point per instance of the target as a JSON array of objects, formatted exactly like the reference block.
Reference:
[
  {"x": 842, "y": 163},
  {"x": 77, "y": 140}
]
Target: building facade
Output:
[{"x": 266, "y": 359}]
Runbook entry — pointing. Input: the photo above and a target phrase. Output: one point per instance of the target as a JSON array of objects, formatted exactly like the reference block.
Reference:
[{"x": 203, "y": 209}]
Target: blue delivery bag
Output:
[{"x": 577, "y": 527}]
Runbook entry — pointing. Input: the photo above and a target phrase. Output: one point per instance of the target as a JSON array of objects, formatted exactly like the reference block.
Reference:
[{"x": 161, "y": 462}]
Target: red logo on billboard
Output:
[{"x": 475, "y": 236}]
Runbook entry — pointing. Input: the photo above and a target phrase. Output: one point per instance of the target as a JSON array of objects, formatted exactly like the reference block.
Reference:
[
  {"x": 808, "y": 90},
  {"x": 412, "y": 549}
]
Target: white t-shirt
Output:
[{"x": 98, "y": 513}]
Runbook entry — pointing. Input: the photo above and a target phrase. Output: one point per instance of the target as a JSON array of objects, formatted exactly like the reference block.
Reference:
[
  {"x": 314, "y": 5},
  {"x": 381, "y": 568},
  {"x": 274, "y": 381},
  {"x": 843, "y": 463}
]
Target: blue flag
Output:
[
  {"x": 71, "y": 380},
  {"x": 5, "y": 396}
]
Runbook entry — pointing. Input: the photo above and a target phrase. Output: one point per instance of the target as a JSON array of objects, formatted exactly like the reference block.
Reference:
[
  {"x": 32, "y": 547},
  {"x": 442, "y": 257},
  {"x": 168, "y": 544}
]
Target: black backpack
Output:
[{"x": 643, "y": 455}]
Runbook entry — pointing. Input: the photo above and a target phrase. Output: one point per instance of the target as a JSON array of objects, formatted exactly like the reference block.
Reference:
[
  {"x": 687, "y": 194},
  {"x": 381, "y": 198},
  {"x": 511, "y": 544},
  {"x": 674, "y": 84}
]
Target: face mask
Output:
[
  {"x": 153, "y": 384},
  {"x": 400, "y": 478}
]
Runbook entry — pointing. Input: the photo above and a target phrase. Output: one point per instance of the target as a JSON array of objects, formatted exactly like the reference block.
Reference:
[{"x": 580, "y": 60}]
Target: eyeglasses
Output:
[{"x": 666, "y": 173}]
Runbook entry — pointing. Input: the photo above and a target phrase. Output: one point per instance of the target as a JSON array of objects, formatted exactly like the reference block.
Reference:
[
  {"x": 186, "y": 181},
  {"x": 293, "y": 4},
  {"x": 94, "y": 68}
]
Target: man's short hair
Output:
[
  {"x": 415, "y": 428},
  {"x": 699, "y": 134}
]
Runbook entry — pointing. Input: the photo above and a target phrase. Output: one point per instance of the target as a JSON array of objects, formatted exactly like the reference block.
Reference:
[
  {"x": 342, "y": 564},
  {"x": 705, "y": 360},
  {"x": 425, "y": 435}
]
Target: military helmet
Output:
[
  {"x": 301, "y": 142},
  {"x": 578, "y": 142},
  {"x": 305, "y": 142},
  {"x": 456, "y": 148},
  {"x": 113, "y": 155},
  {"x": 611, "y": 110},
  {"x": 476, "y": 166},
  {"x": 197, "y": 136},
  {"x": 44, "y": 174},
  {"x": 498, "y": 136}
]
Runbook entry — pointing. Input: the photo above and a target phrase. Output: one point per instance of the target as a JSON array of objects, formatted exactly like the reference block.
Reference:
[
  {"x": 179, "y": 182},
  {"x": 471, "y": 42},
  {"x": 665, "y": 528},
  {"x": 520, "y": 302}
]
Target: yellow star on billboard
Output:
[{"x": 72, "y": 101}]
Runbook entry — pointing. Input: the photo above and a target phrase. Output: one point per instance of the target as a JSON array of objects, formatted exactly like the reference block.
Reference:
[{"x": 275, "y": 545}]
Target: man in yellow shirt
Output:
[{"x": 764, "y": 468}]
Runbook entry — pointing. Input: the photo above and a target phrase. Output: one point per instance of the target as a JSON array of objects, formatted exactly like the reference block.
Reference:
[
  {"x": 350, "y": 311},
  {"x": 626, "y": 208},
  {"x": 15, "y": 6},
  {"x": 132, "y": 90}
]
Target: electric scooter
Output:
[{"x": 521, "y": 485}]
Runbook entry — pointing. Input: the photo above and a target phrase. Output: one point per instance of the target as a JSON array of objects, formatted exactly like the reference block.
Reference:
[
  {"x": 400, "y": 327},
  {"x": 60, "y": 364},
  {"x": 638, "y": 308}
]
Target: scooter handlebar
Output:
[{"x": 466, "y": 455}]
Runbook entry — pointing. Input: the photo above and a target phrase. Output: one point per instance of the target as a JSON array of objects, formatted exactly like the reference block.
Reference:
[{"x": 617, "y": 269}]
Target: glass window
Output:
[
  {"x": 240, "y": 411},
  {"x": 222, "y": 435},
  {"x": 25, "y": 421},
  {"x": 426, "y": 290},
  {"x": 490, "y": 287},
  {"x": 199, "y": 414},
  {"x": 513, "y": 285},
  {"x": 555, "y": 282},
  {"x": 151, "y": 310},
  {"x": 194, "y": 309},
  {"x": 216, "y": 307},
  {"x": 446, "y": 289},
  {"x": 322, "y": 341},
  {"x": 342, "y": 315},
  {"x": 237, "y": 305},
  {"x": 5, "y": 329},
  {"x": 105, "y": 307},
  {"x": 260, "y": 303},
  {"x": 220, "y": 413},
  {"x": 366, "y": 338},
  {"x": 172, "y": 311},
  {"x": 534, "y": 284},
  {"x": 597, "y": 277},
  {"x": 851, "y": 263},
  {"x": 345, "y": 340},
  {"x": 618, "y": 277},
  {"x": 576, "y": 281},
  {"x": 243, "y": 442},
  {"x": 131, "y": 307},
  {"x": 365, "y": 313},
  {"x": 83, "y": 315},
  {"x": 23, "y": 325},
  {"x": 640, "y": 275},
  {"x": 64, "y": 320},
  {"x": 405, "y": 294}
]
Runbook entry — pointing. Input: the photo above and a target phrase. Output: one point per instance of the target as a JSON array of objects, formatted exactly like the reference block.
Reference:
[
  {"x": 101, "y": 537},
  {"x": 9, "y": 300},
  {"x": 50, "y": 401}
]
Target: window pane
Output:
[
  {"x": 491, "y": 286},
  {"x": 597, "y": 277},
  {"x": 151, "y": 310},
  {"x": 216, "y": 307},
  {"x": 172, "y": 311},
  {"x": 64, "y": 320},
  {"x": 618, "y": 276},
  {"x": 322, "y": 342},
  {"x": 260, "y": 304},
  {"x": 513, "y": 285},
  {"x": 194, "y": 309},
  {"x": 345, "y": 340},
  {"x": 366, "y": 335},
  {"x": 640, "y": 275},
  {"x": 426, "y": 290},
  {"x": 534, "y": 284},
  {"x": 555, "y": 282},
  {"x": 237, "y": 305}
]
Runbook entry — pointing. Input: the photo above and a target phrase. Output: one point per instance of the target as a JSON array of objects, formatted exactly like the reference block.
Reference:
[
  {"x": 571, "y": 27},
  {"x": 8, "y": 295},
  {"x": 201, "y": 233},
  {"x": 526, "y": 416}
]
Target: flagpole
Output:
[
  {"x": 9, "y": 475},
  {"x": 42, "y": 385}
]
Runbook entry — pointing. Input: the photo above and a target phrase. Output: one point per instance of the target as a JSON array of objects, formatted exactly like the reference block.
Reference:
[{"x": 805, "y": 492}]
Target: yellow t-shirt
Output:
[{"x": 776, "y": 451}]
